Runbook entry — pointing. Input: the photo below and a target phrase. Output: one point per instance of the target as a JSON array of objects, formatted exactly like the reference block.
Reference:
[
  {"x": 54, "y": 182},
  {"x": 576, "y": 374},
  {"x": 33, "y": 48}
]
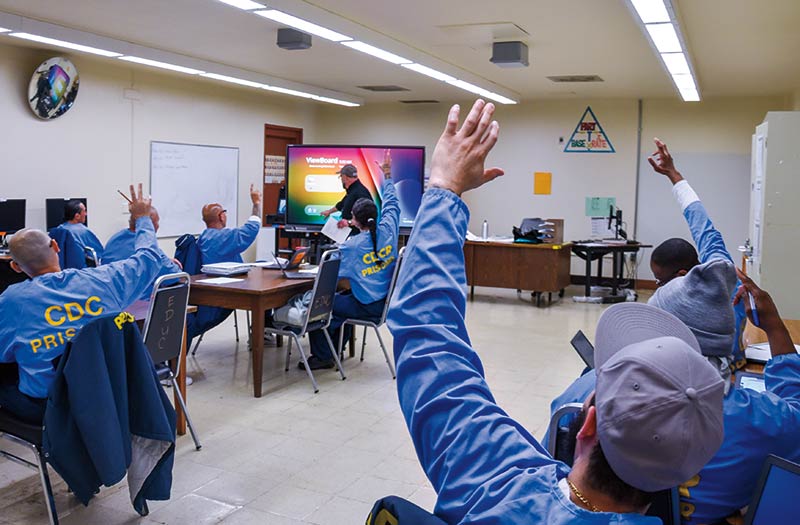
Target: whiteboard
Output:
[{"x": 185, "y": 177}]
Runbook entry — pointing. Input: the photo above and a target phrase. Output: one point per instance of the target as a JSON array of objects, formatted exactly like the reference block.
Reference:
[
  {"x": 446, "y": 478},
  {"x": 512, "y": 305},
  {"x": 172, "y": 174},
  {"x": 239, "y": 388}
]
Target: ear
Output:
[
  {"x": 16, "y": 267},
  {"x": 589, "y": 428},
  {"x": 54, "y": 245},
  {"x": 682, "y": 272}
]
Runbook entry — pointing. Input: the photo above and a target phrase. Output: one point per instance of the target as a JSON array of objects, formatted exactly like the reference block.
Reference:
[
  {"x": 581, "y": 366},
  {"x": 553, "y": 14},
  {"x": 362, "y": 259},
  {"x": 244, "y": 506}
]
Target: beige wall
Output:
[{"x": 103, "y": 143}]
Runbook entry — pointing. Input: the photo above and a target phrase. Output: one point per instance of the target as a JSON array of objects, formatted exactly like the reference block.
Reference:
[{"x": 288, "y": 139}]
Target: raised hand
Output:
[
  {"x": 255, "y": 195},
  {"x": 662, "y": 162},
  {"x": 458, "y": 159},
  {"x": 386, "y": 166},
  {"x": 139, "y": 205}
]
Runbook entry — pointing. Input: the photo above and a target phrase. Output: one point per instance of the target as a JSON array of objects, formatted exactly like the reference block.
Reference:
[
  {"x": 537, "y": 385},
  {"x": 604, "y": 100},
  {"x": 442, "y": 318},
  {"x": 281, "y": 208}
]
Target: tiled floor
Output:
[{"x": 295, "y": 457}]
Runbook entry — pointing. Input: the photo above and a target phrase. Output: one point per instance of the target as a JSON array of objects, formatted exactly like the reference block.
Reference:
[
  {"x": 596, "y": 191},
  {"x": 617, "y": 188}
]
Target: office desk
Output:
[
  {"x": 590, "y": 251},
  {"x": 537, "y": 267},
  {"x": 258, "y": 291}
]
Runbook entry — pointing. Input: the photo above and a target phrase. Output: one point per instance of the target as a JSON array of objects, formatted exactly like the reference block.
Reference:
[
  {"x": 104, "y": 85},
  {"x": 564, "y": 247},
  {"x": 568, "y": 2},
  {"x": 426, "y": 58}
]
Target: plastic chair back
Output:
[{"x": 166, "y": 318}]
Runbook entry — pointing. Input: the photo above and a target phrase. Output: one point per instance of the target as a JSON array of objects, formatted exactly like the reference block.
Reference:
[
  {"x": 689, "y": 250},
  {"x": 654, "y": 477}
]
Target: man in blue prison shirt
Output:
[
  {"x": 756, "y": 423},
  {"x": 485, "y": 467},
  {"x": 40, "y": 315},
  {"x": 74, "y": 221},
  {"x": 220, "y": 244},
  {"x": 122, "y": 245}
]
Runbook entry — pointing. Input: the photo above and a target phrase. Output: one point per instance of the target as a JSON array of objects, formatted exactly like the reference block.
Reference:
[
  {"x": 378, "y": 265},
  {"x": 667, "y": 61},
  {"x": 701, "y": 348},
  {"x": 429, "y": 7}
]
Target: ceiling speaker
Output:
[{"x": 509, "y": 54}]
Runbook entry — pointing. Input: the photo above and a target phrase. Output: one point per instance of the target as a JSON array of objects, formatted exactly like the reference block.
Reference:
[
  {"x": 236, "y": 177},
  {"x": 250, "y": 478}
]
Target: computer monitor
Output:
[
  {"x": 313, "y": 186},
  {"x": 54, "y": 210},
  {"x": 775, "y": 499},
  {"x": 12, "y": 215}
]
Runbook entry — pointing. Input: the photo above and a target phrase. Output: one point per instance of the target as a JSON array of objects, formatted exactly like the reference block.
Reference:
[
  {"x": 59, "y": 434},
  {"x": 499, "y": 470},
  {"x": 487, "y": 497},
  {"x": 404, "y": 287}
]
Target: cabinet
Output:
[{"x": 775, "y": 210}]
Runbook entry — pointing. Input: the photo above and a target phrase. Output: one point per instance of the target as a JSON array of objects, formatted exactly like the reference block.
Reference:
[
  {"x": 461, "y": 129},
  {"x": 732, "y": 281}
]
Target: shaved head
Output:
[
  {"x": 34, "y": 252},
  {"x": 214, "y": 215}
]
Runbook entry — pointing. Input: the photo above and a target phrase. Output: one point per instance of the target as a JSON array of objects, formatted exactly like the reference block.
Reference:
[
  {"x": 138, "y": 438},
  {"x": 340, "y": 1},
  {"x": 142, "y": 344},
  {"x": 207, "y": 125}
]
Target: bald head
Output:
[
  {"x": 214, "y": 215},
  {"x": 34, "y": 252}
]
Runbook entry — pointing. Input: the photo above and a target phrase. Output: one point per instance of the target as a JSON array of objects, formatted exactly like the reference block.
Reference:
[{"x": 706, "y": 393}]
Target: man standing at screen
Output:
[{"x": 354, "y": 190}]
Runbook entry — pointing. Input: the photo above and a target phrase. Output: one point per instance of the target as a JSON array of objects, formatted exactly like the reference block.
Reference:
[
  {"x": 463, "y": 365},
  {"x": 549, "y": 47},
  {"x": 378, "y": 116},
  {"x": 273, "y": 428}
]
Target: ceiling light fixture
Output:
[
  {"x": 162, "y": 65},
  {"x": 472, "y": 88},
  {"x": 376, "y": 52},
  {"x": 651, "y": 11},
  {"x": 425, "y": 70},
  {"x": 287, "y": 91},
  {"x": 68, "y": 45},
  {"x": 336, "y": 101},
  {"x": 246, "y": 5},
  {"x": 684, "y": 82},
  {"x": 233, "y": 80},
  {"x": 664, "y": 37},
  {"x": 302, "y": 25},
  {"x": 676, "y": 63},
  {"x": 690, "y": 95},
  {"x": 4, "y": 30}
]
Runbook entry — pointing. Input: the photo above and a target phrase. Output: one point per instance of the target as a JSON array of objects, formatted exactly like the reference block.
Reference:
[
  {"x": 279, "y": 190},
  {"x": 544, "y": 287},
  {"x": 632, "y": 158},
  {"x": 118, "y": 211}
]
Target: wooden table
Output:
[
  {"x": 536, "y": 267},
  {"x": 139, "y": 310},
  {"x": 258, "y": 291}
]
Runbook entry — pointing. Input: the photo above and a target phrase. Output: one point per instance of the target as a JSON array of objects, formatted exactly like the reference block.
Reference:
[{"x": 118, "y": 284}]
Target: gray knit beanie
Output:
[{"x": 702, "y": 299}]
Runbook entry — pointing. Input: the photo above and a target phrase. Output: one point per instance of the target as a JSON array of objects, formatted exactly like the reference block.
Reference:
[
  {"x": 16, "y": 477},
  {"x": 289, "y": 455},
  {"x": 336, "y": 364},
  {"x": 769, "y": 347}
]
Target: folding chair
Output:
[
  {"x": 366, "y": 323},
  {"x": 92, "y": 260},
  {"x": 30, "y": 436},
  {"x": 164, "y": 331},
  {"x": 318, "y": 315}
]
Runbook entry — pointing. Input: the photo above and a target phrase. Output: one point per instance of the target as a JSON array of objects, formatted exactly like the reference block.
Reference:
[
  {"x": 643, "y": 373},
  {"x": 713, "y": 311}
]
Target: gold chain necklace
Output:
[{"x": 581, "y": 497}]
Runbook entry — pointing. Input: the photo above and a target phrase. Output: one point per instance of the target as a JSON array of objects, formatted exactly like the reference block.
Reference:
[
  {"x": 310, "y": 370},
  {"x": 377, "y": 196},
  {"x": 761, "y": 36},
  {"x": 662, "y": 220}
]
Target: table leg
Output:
[
  {"x": 257, "y": 338},
  {"x": 352, "y": 342},
  {"x": 614, "y": 276},
  {"x": 588, "y": 274},
  {"x": 180, "y": 420}
]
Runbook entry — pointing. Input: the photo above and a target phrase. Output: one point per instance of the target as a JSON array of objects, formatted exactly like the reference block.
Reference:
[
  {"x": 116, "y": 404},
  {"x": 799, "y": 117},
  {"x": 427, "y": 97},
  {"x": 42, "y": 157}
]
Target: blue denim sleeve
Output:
[
  {"x": 389, "y": 227},
  {"x": 467, "y": 445},
  {"x": 709, "y": 241},
  {"x": 244, "y": 235}
]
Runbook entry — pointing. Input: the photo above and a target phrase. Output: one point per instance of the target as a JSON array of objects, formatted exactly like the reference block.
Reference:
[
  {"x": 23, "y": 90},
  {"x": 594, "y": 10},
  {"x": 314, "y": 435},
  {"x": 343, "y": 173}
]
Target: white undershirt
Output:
[{"x": 684, "y": 194}]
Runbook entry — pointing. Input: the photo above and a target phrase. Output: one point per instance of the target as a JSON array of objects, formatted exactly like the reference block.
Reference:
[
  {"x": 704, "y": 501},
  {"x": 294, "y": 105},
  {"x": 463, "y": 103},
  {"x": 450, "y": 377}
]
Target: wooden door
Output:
[{"x": 276, "y": 138}]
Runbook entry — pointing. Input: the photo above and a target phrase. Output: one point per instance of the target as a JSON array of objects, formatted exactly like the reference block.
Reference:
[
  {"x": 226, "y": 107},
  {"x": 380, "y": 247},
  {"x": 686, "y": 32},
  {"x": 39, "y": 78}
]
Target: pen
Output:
[
  {"x": 125, "y": 197},
  {"x": 753, "y": 309}
]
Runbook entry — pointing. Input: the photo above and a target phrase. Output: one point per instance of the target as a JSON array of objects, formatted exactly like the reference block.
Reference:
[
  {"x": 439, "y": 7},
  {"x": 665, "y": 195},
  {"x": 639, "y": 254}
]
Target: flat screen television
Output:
[
  {"x": 313, "y": 185},
  {"x": 54, "y": 211},
  {"x": 12, "y": 215}
]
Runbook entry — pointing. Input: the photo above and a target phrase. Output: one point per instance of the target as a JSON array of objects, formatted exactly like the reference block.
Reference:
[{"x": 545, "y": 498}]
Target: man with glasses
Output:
[
  {"x": 221, "y": 244},
  {"x": 354, "y": 190}
]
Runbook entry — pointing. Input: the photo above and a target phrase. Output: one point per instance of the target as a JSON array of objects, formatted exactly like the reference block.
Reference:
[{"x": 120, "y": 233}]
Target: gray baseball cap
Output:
[{"x": 659, "y": 401}]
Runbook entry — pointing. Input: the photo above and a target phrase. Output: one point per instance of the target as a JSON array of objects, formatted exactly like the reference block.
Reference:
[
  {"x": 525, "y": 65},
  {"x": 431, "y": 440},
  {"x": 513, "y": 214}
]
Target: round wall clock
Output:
[{"x": 53, "y": 88}]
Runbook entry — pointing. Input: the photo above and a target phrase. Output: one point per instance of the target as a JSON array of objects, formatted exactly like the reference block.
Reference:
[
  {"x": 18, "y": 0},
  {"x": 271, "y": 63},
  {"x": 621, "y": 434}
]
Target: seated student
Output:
[
  {"x": 74, "y": 219},
  {"x": 221, "y": 244},
  {"x": 368, "y": 261},
  {"x": 676, "y": 257},
  {"x": 636, "y": 435},
  {"x": 122, "y": 245},
  {"x": 354, "y": 191},
  {"x": 45, "y": 312},
  {"x": 756, "y": 423}
]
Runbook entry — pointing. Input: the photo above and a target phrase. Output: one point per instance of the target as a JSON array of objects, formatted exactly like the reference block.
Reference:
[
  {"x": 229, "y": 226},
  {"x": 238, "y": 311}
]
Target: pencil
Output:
[{"x": 125, "y": 197}]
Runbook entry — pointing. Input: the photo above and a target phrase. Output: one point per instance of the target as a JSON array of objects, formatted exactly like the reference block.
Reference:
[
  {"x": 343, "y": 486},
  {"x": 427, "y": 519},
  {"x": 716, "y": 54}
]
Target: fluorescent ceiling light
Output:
[
  {"x": 419, "y": 68},
  {"x": 247, "y": 5},
  {"x": 472, "y": 88},
  {"x": 690, "y": 95},
  {"x": 302, "y": 25},
  {"x": 336, "y": 101},
  {"x": 684, "y": 82},
  {"x": 664, "y": 37},
  {"x": 286, "y": 91},
  {"x": 676, "y": 63},
  {"x": 233, "y": 80},
  {"x": 4, "y": 30},
  {"x": 376, "y": 52},
  {"x": 163, "y": 65},
  {"x": 68, "y": 45},
  {"x": 651, "y": 11}
]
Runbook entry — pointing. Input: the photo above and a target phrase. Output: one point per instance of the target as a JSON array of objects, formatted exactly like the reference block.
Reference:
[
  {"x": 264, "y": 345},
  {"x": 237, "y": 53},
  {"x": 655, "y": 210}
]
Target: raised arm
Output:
[
  {"x": 389, "y": 227},
  {"x": 465, "y": 442},
  {"x": 707, "y": 238}
]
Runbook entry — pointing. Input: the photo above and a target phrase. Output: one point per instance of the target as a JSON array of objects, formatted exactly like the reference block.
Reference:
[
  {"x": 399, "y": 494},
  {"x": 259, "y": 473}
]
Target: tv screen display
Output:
[
  {"x": 313, "y": 185},
  {"x": 12, "y": 215}
]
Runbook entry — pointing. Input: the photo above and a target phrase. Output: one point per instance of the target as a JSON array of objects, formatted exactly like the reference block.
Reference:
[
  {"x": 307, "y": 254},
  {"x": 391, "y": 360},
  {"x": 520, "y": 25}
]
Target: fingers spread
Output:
[
  {"x": 452, "y": 120},
  {"x": 471, "y": 122},
  {"x": 490, "y": 139},
  {"x": 485, "y": 121},
  {"x": 140, "y": 191},
  {"x": 133, "y": 193}
]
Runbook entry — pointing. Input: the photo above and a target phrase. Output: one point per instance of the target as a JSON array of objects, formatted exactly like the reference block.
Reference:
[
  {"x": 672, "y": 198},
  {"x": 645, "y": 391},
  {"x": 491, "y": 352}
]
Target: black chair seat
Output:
[{"x": 11, "y": 424}]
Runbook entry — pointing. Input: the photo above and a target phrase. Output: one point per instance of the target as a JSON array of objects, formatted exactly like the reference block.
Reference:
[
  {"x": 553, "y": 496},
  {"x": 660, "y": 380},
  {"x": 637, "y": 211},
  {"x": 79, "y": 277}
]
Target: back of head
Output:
[
  {"x": 32, "y": 251},
  {"x": 659, "y": 401},
  {"x": 675, "y": 254},
  {"x": 365, "y": 209},
  {"x": 211, "y": 215},
  {"x": 702, "y": 299},
  {"x": 71, "y": 208}
]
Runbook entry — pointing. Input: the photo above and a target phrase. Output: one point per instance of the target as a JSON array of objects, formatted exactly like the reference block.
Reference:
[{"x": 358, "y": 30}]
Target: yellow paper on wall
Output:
[{"x": 542, "y": 183}]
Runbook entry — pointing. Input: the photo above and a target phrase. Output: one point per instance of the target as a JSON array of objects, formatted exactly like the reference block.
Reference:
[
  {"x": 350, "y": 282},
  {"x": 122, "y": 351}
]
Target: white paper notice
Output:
[
  {"x": 220, "y": 280},
  {"x": 332, "y": 230}
]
